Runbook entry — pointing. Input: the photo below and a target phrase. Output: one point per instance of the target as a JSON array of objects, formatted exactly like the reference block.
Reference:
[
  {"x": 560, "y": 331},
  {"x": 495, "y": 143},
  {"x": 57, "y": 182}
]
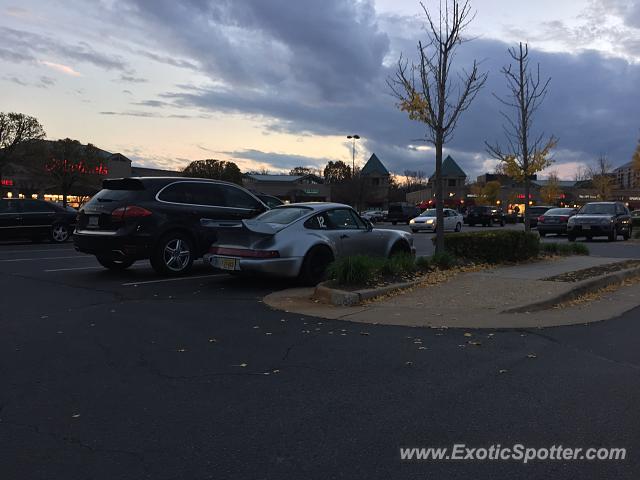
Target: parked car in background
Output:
[
  {"x": 170, "y": 221},
  {"x": 555, "y": 221},
  {"x": 373, "y": 216},
  {"x": 532, "y": 213},
  {"x": 427, "y": 221},
  {"x": 595, "y": 219},
  {"x": 402, "y": 213},
  {"x": 485, "y": 215},
  {"x": 301, "y": 240},
  {"x": 35, "y": 220}
]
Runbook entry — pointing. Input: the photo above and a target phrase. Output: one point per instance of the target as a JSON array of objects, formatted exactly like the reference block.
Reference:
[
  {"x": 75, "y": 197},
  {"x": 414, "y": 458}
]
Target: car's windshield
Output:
[
  {"x": 598, "y": 209},
  {"x": 559, "y": 211},
  {"x": 430, "y": 212},
  {"x": 283, "y": 215}
]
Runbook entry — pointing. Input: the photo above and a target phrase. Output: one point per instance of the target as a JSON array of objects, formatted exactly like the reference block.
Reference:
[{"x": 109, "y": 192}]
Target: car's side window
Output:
[
  {"x": 342, "y": 219},
  {"x": 35, "y": 206},
  {"x": 318, "y": 222},
  {"x": 9, "y": 206},
  {"x": 236, "y": 198},
  {"x": 194, "y": 193},
  {"x": 177, "y": 193}
]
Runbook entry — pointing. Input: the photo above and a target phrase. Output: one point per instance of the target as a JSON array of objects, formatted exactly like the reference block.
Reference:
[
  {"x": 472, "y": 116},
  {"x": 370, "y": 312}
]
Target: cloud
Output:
[
  {"x": 66, "y": 69},
  {"x": 132, "y": 79},
  {"x": 21, "y": 46},
  {"x": 278, "y": 161}
]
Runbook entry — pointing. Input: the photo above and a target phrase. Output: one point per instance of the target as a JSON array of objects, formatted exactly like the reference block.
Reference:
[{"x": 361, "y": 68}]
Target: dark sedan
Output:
[
  {"x": 555, "y": 221},
  {"x": 35, "y": 220},
  {"x": 485, "y": 215},
  {"x": 608, "y": 219}
]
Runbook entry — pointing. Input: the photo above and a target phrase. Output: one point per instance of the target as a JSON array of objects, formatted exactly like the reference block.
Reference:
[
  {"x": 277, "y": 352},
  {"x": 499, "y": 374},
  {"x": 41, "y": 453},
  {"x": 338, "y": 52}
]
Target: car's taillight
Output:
[
  {"x": 244, "y": 252},
  {"x": 130, "y": 211},
  {"x": 564, "y": 218},
  {"x": 541, "y": 219}
]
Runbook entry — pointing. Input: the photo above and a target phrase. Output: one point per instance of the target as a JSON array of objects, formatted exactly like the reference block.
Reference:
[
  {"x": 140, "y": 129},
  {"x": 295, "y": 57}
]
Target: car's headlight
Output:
[
  {"x": 431, "y": 221},
  {"x": 413, "y": 220}
]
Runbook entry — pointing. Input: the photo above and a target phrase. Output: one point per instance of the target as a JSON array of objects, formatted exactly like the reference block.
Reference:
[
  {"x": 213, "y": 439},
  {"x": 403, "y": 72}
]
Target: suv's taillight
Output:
[
  {"x": 541, "y": 219},
  {"x": 130, "y": 211}
]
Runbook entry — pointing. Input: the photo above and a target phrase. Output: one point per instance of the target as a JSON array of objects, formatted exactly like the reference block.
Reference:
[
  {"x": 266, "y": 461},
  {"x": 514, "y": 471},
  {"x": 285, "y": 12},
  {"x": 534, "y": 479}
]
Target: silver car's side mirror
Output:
[{"x": 368, "y": 224}]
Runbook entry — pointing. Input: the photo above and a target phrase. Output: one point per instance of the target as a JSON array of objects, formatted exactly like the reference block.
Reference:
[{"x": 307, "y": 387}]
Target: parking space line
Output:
[
  {"x": 43, "y": 258},
  {"x": 69, "y": 269},
  {"x": 176, "y": 279}
]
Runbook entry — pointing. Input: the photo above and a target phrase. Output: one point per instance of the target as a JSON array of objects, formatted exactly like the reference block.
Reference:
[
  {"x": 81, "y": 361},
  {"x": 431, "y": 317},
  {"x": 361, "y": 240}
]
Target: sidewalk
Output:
[{"x": 479, "y": 299}]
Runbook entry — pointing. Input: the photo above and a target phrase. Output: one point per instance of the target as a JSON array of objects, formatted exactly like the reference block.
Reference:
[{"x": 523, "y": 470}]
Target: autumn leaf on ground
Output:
[
  {"x": 467, "y": 334},
  {"x": 503, "y": 370},
  {"x": 532, "y": 355}
]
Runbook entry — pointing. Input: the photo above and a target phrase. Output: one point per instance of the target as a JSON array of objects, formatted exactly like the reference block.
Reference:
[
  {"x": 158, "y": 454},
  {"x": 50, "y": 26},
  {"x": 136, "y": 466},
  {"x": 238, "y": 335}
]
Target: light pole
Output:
[{"x": 353, "y": 139}]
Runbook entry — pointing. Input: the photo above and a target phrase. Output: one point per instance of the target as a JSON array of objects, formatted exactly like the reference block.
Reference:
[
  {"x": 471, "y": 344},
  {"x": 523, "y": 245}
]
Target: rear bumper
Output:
[
  {"x": 97, "y": 243},
  {"x": 560, "y": 228},
  {"x": 280, "y": 267}
]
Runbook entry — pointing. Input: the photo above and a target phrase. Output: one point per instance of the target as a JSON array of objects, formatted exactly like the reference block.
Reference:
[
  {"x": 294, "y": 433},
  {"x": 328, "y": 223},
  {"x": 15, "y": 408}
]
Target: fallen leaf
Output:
[
  {"x": 213, "y": 340},
  {"x": 532, "y": 355},
  {"x": 256, "y": 326},
  {"x": 477, "y": 344},
  {"x": 408, "y": 363},
  {"x": 468, "y": 334},
  {"x": 364, "y": 333},
  {"x": 75, "y": 415},
  {"x": 422, "y": 348},
  {"x": 268, "y": 333},
  {"x": 242, "y": 365},
  {"x": 59, "y": 332},
  {"x": 182, "y": 350},
  {"x": 503, "y": 371}
]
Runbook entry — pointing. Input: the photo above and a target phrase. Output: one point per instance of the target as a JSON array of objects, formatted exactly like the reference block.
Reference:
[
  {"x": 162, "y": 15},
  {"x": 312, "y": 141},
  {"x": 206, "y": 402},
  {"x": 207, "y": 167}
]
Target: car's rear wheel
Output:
[
  {"x": 315, "y": 264},
  {"x": 119, "y": 264},
  {"x": 60, "y": 233},
  {"x": 458, "y": 227},
  {"x": 173, "y": 254}
]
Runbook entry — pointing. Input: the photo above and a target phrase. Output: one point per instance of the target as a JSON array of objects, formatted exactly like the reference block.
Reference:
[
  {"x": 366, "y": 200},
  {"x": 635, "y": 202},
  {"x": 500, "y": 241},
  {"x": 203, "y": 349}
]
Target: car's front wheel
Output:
[
  {"x": 627, "y": 234},
  {"x": 108, "y": 261},
  {"x": 458, "y": 227},
  {"x": 315, "y": 264},
  {"x": 173, "y": 254},
  {"x": 60, "y": 233}
]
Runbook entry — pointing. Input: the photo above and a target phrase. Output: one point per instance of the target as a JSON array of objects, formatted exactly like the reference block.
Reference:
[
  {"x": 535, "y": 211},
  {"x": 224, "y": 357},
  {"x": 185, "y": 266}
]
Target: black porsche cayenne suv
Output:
[{"x": 170, "y": 221}]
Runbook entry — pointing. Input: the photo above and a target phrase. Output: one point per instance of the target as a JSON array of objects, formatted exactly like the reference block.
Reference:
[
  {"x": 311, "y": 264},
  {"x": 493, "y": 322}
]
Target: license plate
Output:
[
  {"x": 93, "y": 222},
  {"x": 225, "y": 263}
]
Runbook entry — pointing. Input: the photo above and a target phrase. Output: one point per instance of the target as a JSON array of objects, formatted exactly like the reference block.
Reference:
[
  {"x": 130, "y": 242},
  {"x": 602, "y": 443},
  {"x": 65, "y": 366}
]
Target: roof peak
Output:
[{"x": 374, "y": 165}]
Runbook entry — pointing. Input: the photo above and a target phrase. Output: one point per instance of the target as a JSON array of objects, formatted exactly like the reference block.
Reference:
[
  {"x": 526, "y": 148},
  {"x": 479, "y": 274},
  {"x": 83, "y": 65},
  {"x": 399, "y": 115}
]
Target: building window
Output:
[{"x": 451, "y": 182}]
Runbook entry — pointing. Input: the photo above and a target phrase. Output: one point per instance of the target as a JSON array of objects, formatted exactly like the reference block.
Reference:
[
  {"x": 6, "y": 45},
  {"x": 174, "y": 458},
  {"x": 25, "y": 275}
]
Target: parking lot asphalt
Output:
[{"x": 128, "y": 375}]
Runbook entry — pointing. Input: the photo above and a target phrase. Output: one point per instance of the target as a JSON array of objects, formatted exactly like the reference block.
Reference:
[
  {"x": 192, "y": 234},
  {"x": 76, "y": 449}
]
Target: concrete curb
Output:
[
  {"x": 579, "y": 289},
  {"x": 344, "y": 298}
]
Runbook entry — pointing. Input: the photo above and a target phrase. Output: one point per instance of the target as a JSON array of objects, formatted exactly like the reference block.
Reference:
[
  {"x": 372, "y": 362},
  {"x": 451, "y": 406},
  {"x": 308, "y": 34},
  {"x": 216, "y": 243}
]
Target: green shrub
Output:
[
  {"x": 400, "y": 264},
  {"x": 356, "y": 270},
  {"x": 494, "y": 246},
  {"x": 564, "y": 249},
  {"x": 423, "y": 264},
  {"x": 444, "y": 260},
  {"x": 579, "y": 249}
]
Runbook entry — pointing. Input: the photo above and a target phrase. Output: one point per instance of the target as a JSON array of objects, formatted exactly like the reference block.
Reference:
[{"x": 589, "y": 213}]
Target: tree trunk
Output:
[
  {"x": 527, "y": 189},
  {"x": 439, "y": 197}
]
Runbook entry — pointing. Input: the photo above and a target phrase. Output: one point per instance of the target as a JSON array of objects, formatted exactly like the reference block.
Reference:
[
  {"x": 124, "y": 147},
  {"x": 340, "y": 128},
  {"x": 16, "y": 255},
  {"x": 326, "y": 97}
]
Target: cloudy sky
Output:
[{"x": 280, "y": 83}]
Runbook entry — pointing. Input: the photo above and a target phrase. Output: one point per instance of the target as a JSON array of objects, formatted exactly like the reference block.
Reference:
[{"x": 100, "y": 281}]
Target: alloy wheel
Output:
[{"x": 176, "y": 254}]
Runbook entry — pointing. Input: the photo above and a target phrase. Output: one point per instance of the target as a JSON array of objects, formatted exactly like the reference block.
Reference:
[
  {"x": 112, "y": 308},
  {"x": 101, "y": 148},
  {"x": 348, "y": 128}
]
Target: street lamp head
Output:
[
  {"x": 357, "y": 137},
  {"x": 354, "y": 137}
]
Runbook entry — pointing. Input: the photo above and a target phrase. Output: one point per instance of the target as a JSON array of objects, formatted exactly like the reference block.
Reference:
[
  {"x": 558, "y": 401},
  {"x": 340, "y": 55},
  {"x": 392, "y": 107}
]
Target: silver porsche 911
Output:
[{"x": 301, "y": 240}]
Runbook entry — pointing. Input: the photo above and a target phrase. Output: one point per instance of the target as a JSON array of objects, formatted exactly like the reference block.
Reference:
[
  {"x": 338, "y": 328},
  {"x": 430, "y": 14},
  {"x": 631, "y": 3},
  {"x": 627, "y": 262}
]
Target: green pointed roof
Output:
[
  {"x": 450, "y": 168},
  {"x": 374, "y": 165}
]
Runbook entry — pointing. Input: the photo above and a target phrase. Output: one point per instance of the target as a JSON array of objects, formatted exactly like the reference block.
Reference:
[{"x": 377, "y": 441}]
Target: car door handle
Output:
[{"x": 344, "y": 235}]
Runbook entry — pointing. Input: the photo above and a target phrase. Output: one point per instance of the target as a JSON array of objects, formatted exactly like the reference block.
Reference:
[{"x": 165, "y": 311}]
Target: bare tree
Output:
[
  {"x": 428, "y": 91},
  {"x": 525, "y": 154},
  {"x": 16, "y": 129},
  {"x": 581, "y": 174},
  {"x": 602, "y": 178}
]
